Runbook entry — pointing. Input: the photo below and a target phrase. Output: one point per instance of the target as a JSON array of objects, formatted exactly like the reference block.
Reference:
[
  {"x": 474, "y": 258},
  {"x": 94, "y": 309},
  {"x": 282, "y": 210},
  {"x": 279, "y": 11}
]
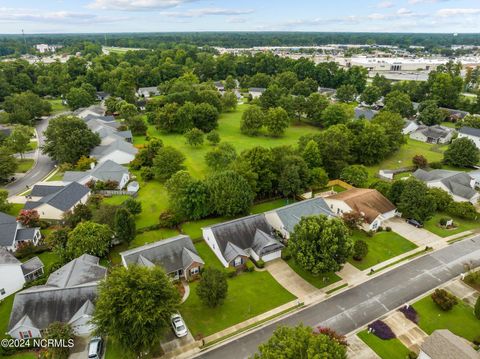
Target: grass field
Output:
[
  {"x": 460, "y": 320},
  {"x": 208, "y": 256},
  {"x": 152, "y": 236},
  {"x": 318, "y": 281},
  {"x": 24, "y": 165},
  {"x": 385, "y": 349},
  {"x": 15, "y": 208},
  {"x": 433, "y": 225},
  {"x": 382, "y": 246},
  {"x": 249, "y": 294},
  {"x": 58, "y": 106}
]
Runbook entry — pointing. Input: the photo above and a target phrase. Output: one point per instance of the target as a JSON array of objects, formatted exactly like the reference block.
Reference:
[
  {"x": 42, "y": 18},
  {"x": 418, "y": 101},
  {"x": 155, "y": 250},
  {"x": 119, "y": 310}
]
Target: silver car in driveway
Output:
[
  {"x": 178, "y": 325},
  {"x": 95, "y": 348}
]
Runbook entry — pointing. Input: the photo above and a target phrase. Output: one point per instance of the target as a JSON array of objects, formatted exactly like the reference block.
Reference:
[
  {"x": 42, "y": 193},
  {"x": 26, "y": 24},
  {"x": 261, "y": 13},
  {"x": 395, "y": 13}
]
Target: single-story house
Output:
[
  {"x": 455, "y": 114},
  {"x": 13, "y": 233},
  {"x": 118, "y": 151},
  {"x": 410, "y": 126},
  {"x": 94, "y": 110},
  {"x": 147, "y": 92},
  {"x": 364, "y": 113},
  {"x": 327, "y": 91},
  {"x": 256, "y": 92},
  {"x": 101, "y": 95},
  {"x": 14, "y": 274},
  {"x": 470, "y": 133},
  {"x": 284, "y": 219},
  {"x": 459, "y": 184},
  {"x": 105, "y": 171},
  {"x": 219, "y": 86},
  {"x": 108, "y": 131},
  {"x": 476, "y": 176},
  {"x": 68, "y": 297},
  {"x": 443, "y": 344},
  {"x": 370, "y": 203},
  {"x": 235, "y": 241},
  {"x": 52, "y": 202},
  {"x": 177, "y": 255},
  {"x": 432, "y": 134}
]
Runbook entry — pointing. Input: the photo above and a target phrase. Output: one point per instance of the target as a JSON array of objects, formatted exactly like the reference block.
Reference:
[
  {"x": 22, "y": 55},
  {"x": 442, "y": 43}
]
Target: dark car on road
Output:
[{"x": 414, "y": 223}]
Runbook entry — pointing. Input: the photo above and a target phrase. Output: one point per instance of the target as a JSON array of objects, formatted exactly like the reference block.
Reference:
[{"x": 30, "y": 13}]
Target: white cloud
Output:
[
  {"x": 457, "y": 11},
  {"x": 35, "y": 15},
  {"x": 415, "y": 2},
  {"x": 136, "y": 5},
  {"x": 385, "y": 5},
  {"x": 208, "y": 12}
]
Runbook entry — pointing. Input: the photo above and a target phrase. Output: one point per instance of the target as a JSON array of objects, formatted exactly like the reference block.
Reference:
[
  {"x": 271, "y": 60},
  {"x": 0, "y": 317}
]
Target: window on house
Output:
[
  {"x": 2, "y": 291},
  {"x": 238, "y": 261},
  {"x": 195, "y": 270},
  {"x": 26, "y": 334}
]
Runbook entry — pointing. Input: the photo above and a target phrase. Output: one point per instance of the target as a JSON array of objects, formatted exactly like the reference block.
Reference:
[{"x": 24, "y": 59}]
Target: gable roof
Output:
[
  {"x": 257, "y": 89},
  {"x": 80, "y": 271},
  {"x": 172, "y": 254},
  {"x": 290, "y": 215},
  {"x": 42, "y": 190},
  {"x": 119, "y": 145},
  {"x": 369, "y": 202},
  {"x": 234, "y": 237},
  {"x": 435, "y": 131},
  {"x": 41, "y": 306},
  {"x": 7, "y": 258},
  {"x": 367, "y": 113},
  {"x": 8, "y": 229},
  {"x": 443, "y": 344},
  {"x": 105, "y": 171},
  {"x": 470, "y": 131},
  {"x": 32, "y": 265},
  {"x": 63, "y": 199},
  {"x": 458, "y": 183}
]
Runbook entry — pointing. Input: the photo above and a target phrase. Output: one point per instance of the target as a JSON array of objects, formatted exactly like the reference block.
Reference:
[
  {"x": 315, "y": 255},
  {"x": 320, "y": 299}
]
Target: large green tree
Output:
[
  {"x": 19, "y": 139},
  {"x": 300, "y": 342},
  {"x": 213, "y": 287},
  {"x": 125, "y": 228},
  {"x": 134, "y": 307},
  {"x": 167, "y": 162},
  {"x": 221, "y": 156},
  {"x": 4, "y": 204},
  {"x": 276, "y": 121},
  {"x": 67, "y": 138},
  {"x": 399, "y": 102},
  {"x": 25, "y": 107},
  {"x": 8, "y": 163},
  {"x": 462, "y": 152},
  {"x": 416, "y": 201},
  {"x": 337, "y": 113},
  {"x": 320, "y": 244},
  {"x": 371, "y": 94},
  {"x": 253, "y": 119},
  {"x": 89, "y": 237},
  {"x": 356, "y": 175}
]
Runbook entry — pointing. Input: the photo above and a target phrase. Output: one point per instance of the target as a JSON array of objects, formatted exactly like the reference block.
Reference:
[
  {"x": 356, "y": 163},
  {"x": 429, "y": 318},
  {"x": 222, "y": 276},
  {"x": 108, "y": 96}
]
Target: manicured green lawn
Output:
[
  {"x": 268, "y": 206},
  {"x": 24, "y": 165},
  {"x": 116, "y": 200},
  {"x": 48, "y": 258},
  {"x": 15, "y": 209},
  {"x": 58, "y": 106},
  {"x": 403, "y": 157},
  {"x": 229, "y": 130},
  {"x": 32, "y": 146},
  {"x": 154, "y": 198},
  {"x": 318, "y": 281},
  {"x": 385, "y": 349},
  {"x": 5, "y": 309},
  {"x": 433, "y": 225},
  {"x": 460, "y": 320},
  {"x": 382, "y": 246},
  {"x": 58, "y": 176},
  {"x": 194, "y": 228},
  {"x": 152, "y": 236},
  {"x": 208, "y": 256},
  {"x": 249, "y": 294}
]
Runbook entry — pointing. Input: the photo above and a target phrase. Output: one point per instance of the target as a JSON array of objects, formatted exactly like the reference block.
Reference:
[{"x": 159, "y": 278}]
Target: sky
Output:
[{"x": 107, "y": 16}]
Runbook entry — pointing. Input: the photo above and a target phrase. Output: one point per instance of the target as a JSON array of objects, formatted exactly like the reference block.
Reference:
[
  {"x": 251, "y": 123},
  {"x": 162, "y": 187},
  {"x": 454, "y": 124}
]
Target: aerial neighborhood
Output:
[{"x": 240, "y": 195}]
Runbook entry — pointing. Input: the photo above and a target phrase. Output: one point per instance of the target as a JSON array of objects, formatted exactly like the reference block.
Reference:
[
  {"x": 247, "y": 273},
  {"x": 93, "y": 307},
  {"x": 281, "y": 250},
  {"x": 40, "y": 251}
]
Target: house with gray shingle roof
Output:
[
  {"x": 235, "y": 241},
  {"x": 256, "y": 92},
  {"x": 433, "y": 134},
  {"x": 54, "y": 203},
  {"x": 364, "y": 113},
  {"x": 147, "y": 92},
  {"x": 470, "y": 133},
  {"x": 177, "y": 255},
  {"x": 118, "y": 151},
  {"x": 105, "y": 171},
  {"x": 13, "y": 233},
  {"x": 285, "y": 218},
  {"x": 14, "y": 274},
  {"x": 68, "y": 296},
  {"x": 460, "y": 185},
  {"x": 443, "y": 344}
]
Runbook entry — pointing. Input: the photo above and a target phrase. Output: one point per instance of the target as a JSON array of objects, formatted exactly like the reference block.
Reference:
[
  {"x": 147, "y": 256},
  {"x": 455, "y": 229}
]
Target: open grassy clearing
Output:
[
  {"x": 460, "y": 320},
  {"x": 385, "y": 349},
  {"x": 249, "y": 294},
  {"x": 24, "y": 165},
  {"x": 58, "y": 106},
  {"x": 318, "y": 281},
  {"x": 15, "y": 209},
  {"x": 208, "y": 255},
  {"x": 381, "y": 247},
  {"x": 462, "y": 225}
]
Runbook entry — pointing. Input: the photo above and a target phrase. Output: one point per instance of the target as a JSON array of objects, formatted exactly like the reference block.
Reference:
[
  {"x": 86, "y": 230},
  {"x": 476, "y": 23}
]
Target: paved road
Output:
[
  {"x": 42, "y": 168},
  {"x": 360, "y": 305}
]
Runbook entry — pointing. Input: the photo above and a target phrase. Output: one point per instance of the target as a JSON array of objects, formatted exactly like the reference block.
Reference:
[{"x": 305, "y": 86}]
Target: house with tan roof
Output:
[
  {"x": 370, "y": 203},
  {"x": 443, "y": 344}
]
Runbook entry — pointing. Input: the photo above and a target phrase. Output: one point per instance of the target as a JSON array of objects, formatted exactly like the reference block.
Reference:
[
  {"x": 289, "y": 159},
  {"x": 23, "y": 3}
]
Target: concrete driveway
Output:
[
  {"x": 288, "y": 279},
  {"x": 80, "y": 350},
  {"x": 421, "y": 237}
]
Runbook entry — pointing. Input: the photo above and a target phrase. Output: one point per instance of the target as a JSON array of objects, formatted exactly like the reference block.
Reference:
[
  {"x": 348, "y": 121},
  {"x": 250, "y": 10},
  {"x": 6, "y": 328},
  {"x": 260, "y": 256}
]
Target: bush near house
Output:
[
  {"x": 381, "y": 330},
  {"x": 410, "y": 313},
  {"x": 444, "y": 299}
]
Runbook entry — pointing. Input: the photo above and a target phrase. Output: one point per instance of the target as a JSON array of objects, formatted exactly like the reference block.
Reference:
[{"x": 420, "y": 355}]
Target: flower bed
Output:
[
  {"x": 381, "y": 330},
  {"x": 410, "y": 313}
]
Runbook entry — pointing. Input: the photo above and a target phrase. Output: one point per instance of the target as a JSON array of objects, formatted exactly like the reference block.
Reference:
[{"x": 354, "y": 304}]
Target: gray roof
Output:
[
  {"x": 470, "y": 131},
  {"x": 12, "y": 231},
  {"x": 367, "y": 113},
  {"x": 41, "y": 306},
  {"x": 458, "y": 113},
  {"x": 264, "y": 243},
  {"x": 435, "y": 131},
  {"x": 443, "y": 344},
  {"x": 172, "y": 254},
  {"x": 257, "y": 89},
  {"x": 32, "y": 265},
  {"x": 232, "y": 251},
  {"x": 81, "y": 271},
  {"x": 290, "y": 215},
  {"x": 458, "y": 183},
  {"x": 25, "y": 234},
  {"x": 42, "y": 190},
  {"x": 120, "y": 145},
  {"x": 241, "y": 233},
  {"x": 110, "y": 120},
  {"x": 105, "y": 171},
  {"x": 7, "y": 258},
  {"x": 64, "y": 199}
]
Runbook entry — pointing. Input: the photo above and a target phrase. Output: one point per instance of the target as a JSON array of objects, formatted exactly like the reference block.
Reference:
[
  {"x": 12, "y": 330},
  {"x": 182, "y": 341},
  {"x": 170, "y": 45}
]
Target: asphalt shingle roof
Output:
[
  {"x": 458, "y": 183},
  {"x": 443, "y": 344},
  {"x": 31, "y": 265},
  {"x": 8, "y": 229},
  {"x": 7, "y": 258},
  {"x": 120, "y": 145},
  {"x": 80, "y": 271},
  {"x": 470, "y": 131},
  {"x": 63, "y": 199},
  {"x": 105, "y": 171}
]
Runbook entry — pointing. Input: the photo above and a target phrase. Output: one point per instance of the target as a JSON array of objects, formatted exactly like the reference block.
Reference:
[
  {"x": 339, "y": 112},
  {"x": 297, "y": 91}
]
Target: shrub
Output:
[
  {"x": 410, "y": 313},
  {"x": 443, "y": 221},
  {"x": 381, "y": 330},
  {"x": 476, "y": 340},
  {"x": 147, "y": 173},
  {"x": 370, "y": 233},
  {"x": 476, "y": 309},
  {"x": 249, "y": 266},
  {"x": 380, "y": 229},
  {"x": 231, "y": 272},
  {"x": 419, "y": 161},
  {"x": 360, "y": 250},
  {"x": 353, "y": 219},
  {"x": 168, "y": 219},
  {"x": 436, "y": 165},
  {"x": 332, "y": 334},
  {"x": 464, "y": 210},
  {"x": 444, "y": 299},
  {"x": 286, "y": 255},
  {"x": 388, "y": 229},
  {"x": 412, "y": 355},
  {"x": 260, "y": 263}
]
